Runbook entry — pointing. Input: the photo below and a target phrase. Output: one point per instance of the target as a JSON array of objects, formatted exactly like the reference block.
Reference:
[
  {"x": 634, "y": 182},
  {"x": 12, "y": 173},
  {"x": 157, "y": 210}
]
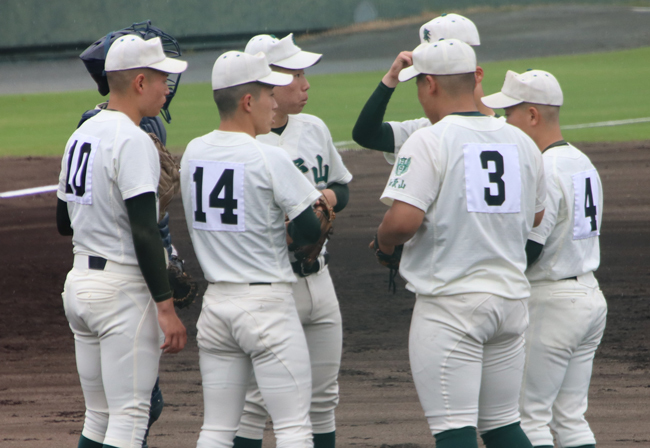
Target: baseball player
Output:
[
  {"x": 117, "y": 296},
  {"x": 370, "y": 130},
  {"x": 464, "y": 195},
  {"x": 94, "y": 60},
  {"x": 307, "y": 141},
  {"x": 236, "y": 193},
  {"x": 567, "y": 308}
]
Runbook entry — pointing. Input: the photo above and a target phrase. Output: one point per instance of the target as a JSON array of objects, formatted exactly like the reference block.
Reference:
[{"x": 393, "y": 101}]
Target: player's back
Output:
[
  {"x": 573, "y": 218},
  {"x": 107, "y": 161},
  {"x": 236, "y": 193},
  {"x": 480, "y": 207}
]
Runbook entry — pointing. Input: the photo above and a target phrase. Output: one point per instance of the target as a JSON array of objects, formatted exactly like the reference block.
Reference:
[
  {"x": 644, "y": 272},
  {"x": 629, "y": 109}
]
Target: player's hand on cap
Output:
[
  {"x": 172, "y": 327},
  {"x": 402, "y": 61}
]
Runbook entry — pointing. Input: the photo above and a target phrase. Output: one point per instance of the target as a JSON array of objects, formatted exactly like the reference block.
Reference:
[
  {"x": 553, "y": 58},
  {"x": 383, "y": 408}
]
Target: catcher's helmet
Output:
[{"x": 94, "y": 57}]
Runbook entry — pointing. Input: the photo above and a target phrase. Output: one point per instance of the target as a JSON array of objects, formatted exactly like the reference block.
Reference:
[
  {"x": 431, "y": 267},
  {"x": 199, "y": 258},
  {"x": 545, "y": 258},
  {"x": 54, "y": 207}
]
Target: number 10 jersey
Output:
[{"x": 480, "y": 182}]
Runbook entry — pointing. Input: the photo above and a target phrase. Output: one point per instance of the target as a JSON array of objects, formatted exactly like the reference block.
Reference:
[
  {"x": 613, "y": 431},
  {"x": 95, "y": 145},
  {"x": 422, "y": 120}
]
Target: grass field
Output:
[{"x": 597, "y": 87}]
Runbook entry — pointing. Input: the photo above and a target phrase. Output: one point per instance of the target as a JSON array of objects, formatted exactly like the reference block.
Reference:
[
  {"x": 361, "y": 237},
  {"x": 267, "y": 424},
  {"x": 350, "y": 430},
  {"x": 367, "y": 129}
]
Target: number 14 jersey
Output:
[
  {"x": 236, "y": 192},
  {"x": 480, "y": 182}
]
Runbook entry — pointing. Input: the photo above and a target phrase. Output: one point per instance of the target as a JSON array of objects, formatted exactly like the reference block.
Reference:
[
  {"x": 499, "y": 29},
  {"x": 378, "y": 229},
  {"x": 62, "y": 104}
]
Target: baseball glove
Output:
[
  {"x": 308, "y": 254},
  {"x": 390, "y": 261},
  {"x": 170, "y": 178},
  {"x": 184, "y": 287}
]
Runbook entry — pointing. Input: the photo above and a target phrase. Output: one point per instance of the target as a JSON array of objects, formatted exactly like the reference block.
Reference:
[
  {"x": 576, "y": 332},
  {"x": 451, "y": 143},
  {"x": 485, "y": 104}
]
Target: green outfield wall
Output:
[{"x": 33, "y": 26}]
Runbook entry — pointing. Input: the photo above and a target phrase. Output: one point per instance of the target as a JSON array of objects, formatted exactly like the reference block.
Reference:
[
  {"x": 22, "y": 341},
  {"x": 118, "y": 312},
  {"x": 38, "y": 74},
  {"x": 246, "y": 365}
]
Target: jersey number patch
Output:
[
  {"x": 218, "y": 196},
  {"x": 492, "y": 178},
  {"x": 79, "y": 177},
  {"x": 586, "y": 187}
]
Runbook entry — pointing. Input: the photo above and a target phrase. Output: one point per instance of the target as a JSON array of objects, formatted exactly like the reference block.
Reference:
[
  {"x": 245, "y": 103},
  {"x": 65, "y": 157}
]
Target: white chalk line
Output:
[{"x": 348, "y": 145}]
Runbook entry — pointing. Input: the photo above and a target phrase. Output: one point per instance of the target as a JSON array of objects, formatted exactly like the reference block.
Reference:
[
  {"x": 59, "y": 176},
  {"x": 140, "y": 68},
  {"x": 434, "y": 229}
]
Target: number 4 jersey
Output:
[
  {"x": 571, "y": 224},
  {"x": 480, "y": 182},
  {"x": 107, "y": 161},
  {"x": 236, "y": 193}
]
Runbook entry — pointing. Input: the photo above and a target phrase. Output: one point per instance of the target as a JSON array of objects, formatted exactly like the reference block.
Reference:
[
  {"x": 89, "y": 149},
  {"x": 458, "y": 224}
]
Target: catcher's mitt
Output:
[
  {"x": 170, "y": 178},
  {"x": 325, "y": 214},
  {"x": 390, "y": 261},
  {"x": 183, "y": 286}
]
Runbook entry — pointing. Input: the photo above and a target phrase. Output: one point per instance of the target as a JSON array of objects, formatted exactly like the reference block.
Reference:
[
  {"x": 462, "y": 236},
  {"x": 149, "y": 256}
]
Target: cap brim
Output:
[
  {"x": 407, "y": 73},
  {"x": 276, "y": 79},
  {"x": 299, "y": 61},
  {"x": 500, "y": 100},
  {"x": 169, "y": 65}
]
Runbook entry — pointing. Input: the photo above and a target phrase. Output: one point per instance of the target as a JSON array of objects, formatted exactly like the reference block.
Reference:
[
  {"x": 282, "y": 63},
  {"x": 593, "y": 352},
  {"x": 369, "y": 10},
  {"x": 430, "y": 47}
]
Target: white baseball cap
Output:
[
  {"x": 234, "y": 68},
  {"x": 131, "y": 51},
  {"x": 450, "y": 26},
  {"x": 532, "y": 86},
  {"x": 282, "y": 52},
  {"x": 445, "y": 57}
]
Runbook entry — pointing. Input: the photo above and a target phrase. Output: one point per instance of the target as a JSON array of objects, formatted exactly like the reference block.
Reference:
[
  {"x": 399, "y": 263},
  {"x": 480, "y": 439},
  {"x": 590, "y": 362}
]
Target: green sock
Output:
[
  {"x": 583, "y": 446},
  {"x": 327, "y": 440},
  {"x": 543, "y": 446},
  {"x": 243, "y": 442},
  {"x": 509, "y": 436},
  {"x": 457, "y": 438},
  {"x": 87, "y": 443},
  {"x": 108, "y": 446}
]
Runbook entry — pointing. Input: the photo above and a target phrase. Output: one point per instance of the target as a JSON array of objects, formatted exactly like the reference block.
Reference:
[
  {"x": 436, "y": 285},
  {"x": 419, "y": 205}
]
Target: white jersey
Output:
[
  {"x": 571, "y": 225},
  {"x": 308, "y": 143},
  {"x": 236, "y": 192},
  {"x": 402, "y": 130},
  {"x": 108, "y": 160},
  {"x": 480, "y": 182}
]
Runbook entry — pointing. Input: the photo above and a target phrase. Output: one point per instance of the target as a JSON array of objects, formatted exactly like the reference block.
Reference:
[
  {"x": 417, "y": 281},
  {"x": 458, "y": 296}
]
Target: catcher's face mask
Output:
[{"x": 94, "y": 56}]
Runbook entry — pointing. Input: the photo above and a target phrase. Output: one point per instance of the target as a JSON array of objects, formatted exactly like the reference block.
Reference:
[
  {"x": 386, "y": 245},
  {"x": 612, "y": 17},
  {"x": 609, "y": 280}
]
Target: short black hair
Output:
[{"x": 227, "y": 99}]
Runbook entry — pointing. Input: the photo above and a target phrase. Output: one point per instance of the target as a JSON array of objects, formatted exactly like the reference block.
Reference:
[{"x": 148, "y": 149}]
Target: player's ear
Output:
[
  {"x": 138, "y": 82},
  {"x": 533, "y": 115},
  {"x": 431, "y": 84},
  {"x": 479, "y": 74},
  {"x": 246, "y": 102}
]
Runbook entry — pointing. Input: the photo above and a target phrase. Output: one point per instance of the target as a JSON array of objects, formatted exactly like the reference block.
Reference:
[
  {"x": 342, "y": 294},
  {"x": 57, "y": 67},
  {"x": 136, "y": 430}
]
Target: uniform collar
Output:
[{"x": 553, "y": 145}]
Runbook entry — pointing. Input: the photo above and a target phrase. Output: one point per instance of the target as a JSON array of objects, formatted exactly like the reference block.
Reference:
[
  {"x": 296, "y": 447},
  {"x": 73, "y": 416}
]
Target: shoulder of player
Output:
[{"x": 311, "y": 122}]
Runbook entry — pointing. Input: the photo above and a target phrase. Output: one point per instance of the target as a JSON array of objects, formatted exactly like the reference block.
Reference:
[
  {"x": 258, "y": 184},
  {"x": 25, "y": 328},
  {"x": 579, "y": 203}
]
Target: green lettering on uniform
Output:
[
  {"x": 403, "y": 164},
  {"x": 319, "y": 175},
  {"x": 300, "y": 164},
  {"x": 397, "y": 183},
  {"x": 426, "y": 35}
]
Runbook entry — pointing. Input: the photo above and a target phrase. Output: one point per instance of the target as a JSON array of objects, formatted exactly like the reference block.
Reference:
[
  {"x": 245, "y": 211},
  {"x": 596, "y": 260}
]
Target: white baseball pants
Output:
[
  {"x": 117, "y": 340},
  {"x": 567, "y": 321},
  {"x": 467, "y": 359},
  {"x": 318, "y": 309},
  {"x": 253, "y": 328}
]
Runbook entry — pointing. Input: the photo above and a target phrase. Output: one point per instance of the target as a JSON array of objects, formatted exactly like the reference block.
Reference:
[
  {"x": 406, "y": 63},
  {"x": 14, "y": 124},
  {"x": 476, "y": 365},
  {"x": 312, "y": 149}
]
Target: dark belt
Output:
[
  {"x": 571, "y": 278},
  {"x": 96, "y": 263},
  {"x": 259, "y": 284}
]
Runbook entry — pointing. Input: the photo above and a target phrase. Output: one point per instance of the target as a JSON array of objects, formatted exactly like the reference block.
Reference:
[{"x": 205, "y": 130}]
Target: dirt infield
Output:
[{"x": 41, "y": 404}]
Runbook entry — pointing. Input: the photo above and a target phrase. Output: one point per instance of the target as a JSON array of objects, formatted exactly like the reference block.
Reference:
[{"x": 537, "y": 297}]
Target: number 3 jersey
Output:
[
  {"x": 571, "y": 224},
  {"x": 107, "y": 161},
  {"x": 236, "y": 192},
  {"x": 480, "y": 182}
]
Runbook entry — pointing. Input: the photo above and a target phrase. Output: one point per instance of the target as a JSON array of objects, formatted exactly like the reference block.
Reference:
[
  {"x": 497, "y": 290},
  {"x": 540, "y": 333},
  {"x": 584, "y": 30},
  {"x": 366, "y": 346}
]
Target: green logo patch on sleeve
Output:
[{"x": 402, "y": 165}]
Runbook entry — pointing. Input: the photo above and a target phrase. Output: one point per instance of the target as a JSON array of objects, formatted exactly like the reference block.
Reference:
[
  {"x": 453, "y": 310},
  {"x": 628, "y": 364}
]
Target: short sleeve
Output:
[
  {"x": 291, "y": 189},
  {"x": 402, "y": 130},
  {"x": 60, "y": 192},
  {"x": 554, "y": 197},
  {"x": 540, "y": 195},
  {"x": 339, "y": 172},
  {"x": 137, "y": 166},
  {"x": 415, "y": 178}
]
